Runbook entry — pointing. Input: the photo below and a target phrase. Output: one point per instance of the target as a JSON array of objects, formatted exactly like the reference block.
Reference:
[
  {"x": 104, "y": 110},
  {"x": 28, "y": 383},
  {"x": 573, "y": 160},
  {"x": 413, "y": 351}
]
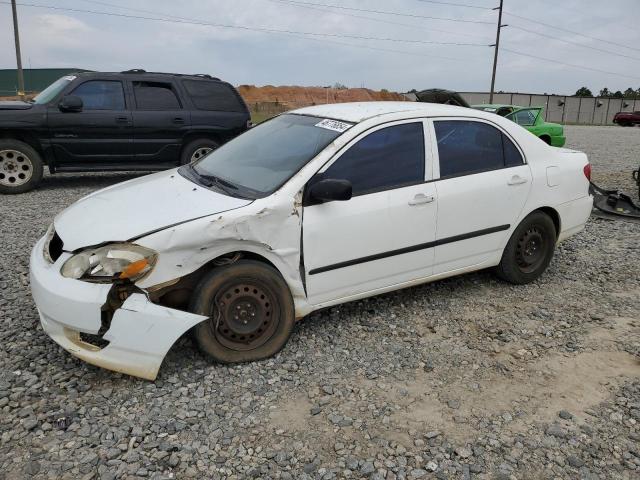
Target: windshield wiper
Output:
[{"x": 212, "y": 180}]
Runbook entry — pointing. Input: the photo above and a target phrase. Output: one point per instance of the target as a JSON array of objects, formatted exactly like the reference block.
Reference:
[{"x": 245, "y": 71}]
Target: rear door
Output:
[
  {"x": 159, "y": 122},
  {"x": 101, "y": 134},
  {"x": 384, "y": 234},
  {"x": 483, "y": 185}
]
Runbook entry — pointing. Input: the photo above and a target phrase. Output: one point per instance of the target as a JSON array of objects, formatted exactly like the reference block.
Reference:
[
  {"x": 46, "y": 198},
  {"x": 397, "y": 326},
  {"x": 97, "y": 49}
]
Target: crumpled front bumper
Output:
[{"x": 140, "y": 334}]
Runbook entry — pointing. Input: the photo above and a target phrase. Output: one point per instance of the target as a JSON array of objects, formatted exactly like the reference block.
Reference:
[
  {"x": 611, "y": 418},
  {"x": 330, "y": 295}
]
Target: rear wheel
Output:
[
  {"x": 529, "y": 250},
  {"x": 546, "y": 139},
  {"x": 197, "y": 149},
  {"x": 20, "y": 167},
  {"x": 250, "y": 310}
]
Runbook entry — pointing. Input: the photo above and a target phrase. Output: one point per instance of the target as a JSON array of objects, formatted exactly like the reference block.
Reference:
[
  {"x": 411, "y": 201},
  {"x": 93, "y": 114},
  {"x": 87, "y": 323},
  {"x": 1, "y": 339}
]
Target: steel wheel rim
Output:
[
  {"x": 200, "y": 152},
  {"x": 530, "y": 250},
  {"x": 245, "y": 314},
  {"x": 16, "y": 168}
]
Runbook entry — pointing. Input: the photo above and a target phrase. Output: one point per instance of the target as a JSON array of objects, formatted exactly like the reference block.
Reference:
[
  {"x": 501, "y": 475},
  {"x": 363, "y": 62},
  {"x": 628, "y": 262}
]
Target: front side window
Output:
[
  {"x": 155, "y": 96},
  {"x": 101, "y": 95},
  {"x": 259, "y": 161},
  {"x": 389, "y": 158},
  {"x": 467, "y": 147}
]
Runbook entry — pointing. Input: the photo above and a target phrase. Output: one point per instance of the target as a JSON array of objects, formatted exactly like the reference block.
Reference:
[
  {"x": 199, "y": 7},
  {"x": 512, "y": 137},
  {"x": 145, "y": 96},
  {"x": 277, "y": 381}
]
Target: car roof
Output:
[{"x": 359, "y": 111}]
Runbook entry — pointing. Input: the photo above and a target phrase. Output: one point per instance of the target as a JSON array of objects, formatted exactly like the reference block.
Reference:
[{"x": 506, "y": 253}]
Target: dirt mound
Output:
[{"x": 294, "y": 96}]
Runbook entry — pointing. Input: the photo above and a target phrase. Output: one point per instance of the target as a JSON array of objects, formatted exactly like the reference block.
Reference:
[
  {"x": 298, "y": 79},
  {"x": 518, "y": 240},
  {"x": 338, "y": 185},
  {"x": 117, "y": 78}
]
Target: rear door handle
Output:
[
  {"x": 122, "y": 119},
  {"x": 179, "y": 120},
  {"x": 517, "y": 180},
  {"x": 421, "y": 199}
]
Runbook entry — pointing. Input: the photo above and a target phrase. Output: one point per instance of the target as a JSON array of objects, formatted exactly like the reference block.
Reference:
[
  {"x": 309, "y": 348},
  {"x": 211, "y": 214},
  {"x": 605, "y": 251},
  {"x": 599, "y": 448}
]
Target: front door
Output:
[
  {"x": 100, "y": 135},
  {"x": 383, "y": 235},
  {"x": 483, "y": 186}
]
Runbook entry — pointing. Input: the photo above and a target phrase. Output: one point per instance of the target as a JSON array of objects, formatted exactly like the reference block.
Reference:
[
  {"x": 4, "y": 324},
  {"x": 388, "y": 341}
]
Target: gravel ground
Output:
[{"x": 463, "y": 378}]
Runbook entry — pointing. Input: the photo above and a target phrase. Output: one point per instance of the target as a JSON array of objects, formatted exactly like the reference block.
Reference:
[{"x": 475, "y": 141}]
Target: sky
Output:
[{"x": 402, "y": 49}]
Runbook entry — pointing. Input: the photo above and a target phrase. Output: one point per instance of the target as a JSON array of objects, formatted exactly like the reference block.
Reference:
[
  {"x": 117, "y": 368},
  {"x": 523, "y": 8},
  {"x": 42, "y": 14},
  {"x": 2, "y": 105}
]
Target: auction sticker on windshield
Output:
[{"x": 334, "y": 125}]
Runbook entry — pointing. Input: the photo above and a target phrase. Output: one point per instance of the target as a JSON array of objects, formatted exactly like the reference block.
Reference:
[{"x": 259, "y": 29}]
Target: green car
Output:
[{"x": 530, "y": 118}]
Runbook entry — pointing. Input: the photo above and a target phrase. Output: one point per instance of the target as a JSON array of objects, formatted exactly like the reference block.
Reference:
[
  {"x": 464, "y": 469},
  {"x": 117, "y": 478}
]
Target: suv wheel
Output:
[
  {"x": 196, "y": 150},
  {"x": 20, "y": 167}
]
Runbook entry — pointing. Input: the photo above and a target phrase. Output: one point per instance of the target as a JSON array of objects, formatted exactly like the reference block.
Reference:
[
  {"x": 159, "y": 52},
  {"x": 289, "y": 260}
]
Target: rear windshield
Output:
[
  {"x": 208, "y": 95},
  {"x": 261, "y": 160}
]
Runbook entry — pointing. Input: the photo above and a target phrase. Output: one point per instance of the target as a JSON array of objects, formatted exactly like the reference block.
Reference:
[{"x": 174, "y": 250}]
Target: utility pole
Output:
[
  {"x": 16, "y": 36},
  {"x": 495, "y": 55}
]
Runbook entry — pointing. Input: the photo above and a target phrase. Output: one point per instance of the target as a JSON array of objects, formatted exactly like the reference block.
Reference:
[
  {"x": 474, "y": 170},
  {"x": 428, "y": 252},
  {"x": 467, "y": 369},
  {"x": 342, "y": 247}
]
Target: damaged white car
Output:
[{"x": 313, "y": 208}]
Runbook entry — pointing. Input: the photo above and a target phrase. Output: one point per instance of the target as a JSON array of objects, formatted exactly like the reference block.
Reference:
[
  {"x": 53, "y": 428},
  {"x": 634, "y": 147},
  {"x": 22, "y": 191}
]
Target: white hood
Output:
[{"x": 137, "y": 207}]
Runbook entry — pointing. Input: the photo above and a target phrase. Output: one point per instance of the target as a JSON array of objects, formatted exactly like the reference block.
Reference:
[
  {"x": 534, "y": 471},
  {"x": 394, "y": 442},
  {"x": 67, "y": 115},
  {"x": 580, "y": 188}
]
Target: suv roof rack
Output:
[{"x": 135, "y": 70}]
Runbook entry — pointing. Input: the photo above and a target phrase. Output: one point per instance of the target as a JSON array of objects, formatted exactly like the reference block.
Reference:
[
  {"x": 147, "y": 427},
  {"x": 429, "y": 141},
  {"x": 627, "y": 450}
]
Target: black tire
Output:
[
  {"x": 21, "y": 167},
  {"x": 529, "y": 250},
  {"x": 264, "y": 306},
  {"x": 195, "y": 149},
  {"x": 546, "y": 139}
]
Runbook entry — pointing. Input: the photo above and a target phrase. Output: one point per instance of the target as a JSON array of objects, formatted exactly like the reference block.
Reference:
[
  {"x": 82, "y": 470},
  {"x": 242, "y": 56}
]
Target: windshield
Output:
[
  {"x": 261, "y": 160},
  {"x": 53, "y": 90}
]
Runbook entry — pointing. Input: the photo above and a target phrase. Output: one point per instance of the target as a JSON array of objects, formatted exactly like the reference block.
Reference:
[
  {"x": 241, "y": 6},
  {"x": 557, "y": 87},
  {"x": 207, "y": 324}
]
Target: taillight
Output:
[{"x": 587, "y": 171}]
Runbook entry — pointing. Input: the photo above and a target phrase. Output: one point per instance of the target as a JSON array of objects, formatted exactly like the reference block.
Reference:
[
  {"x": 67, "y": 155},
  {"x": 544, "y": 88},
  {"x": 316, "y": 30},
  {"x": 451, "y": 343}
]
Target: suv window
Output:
[
  {"x": 155, "y": 96},
  {"x": 208, "y": 95},
  {"x": 467, "y": 147},
  {"x": 388, "y": 158},
  {"x": 101, "y": 95}
]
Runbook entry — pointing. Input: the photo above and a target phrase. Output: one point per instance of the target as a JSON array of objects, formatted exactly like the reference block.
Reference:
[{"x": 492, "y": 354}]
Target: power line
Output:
[
  {"x": 569, "y": 64},
  {"x": 571, "y": 31},
  {"x": 367, "y": 47},
  {"x": 295, "y": 3},
  {"x": 456, "y": 4},
  {"x": 397, "y": 14},
  {"x": 246, "y": 28},
  {"x": 610, "y": 52}
]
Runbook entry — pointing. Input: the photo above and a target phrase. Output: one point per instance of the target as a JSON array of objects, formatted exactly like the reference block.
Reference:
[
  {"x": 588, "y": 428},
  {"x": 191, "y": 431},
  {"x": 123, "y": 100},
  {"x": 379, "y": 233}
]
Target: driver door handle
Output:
[
  {"x": 517, "y": 180},
  {"x": 421, "y": 199}
]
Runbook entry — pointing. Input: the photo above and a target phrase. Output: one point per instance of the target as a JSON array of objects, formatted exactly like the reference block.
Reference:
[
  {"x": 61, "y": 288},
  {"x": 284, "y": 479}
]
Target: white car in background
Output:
[{"x": 316, "y": 207}]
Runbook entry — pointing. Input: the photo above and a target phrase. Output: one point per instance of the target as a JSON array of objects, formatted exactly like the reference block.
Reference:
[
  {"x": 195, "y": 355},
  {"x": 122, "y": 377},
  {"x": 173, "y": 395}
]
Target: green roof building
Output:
[{"x": 35, "y": 79}]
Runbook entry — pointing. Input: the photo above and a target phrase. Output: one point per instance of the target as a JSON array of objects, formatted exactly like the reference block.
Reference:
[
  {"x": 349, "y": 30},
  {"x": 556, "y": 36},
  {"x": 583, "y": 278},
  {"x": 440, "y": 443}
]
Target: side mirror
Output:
[
  {"x": 331, "y": 189},
  {"x": 70, "y": 103}
]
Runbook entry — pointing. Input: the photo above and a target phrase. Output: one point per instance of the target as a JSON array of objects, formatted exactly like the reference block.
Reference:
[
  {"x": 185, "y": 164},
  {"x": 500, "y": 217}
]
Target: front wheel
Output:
[
  {"x": 529, "y": 250},
  {"x": 20, "y": 167},
  {"x": 250, "y": 309}
]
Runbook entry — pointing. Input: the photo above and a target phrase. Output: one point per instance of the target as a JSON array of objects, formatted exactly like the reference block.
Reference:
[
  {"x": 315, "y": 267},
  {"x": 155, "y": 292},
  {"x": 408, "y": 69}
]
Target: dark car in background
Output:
[
  {"x": 132, "y": 120},
  {"x": 627, "y": 119}
]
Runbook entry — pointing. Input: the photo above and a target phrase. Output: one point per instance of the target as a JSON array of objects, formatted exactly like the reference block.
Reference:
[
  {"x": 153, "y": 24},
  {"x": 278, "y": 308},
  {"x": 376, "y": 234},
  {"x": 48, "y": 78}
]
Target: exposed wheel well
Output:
[
  {"x": 178, "y": 295},
  {"x": 554, "y": 216},
  {"x": 546, "y": 139}
]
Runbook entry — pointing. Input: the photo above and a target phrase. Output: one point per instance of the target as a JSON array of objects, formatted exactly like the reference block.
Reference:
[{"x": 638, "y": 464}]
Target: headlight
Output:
[{"x": 111, "y": 262}]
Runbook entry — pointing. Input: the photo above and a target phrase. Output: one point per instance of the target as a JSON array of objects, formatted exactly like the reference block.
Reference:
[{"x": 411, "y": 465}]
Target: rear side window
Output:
[
  {"x": 101, "y": 95},
  {"x": 155, "y": 96},
  {"x": 467, "y": 147},
  {"x": 207, "y": 95},
  {"x": 389, "y": 158}
]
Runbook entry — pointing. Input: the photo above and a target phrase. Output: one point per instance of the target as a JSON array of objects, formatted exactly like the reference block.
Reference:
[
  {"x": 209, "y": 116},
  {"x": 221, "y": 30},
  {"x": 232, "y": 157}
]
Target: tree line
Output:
[{"x": 605, "y": 92}]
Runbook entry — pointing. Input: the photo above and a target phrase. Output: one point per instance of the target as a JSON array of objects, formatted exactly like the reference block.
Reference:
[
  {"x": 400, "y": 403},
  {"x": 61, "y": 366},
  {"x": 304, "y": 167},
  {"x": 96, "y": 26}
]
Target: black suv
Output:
[{"x": 133, "y": 120}]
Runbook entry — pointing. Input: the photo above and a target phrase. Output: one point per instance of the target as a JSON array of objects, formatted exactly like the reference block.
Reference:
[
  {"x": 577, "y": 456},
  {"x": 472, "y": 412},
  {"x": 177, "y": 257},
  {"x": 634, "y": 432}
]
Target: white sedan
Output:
[{"x": 316, "y": 207}]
